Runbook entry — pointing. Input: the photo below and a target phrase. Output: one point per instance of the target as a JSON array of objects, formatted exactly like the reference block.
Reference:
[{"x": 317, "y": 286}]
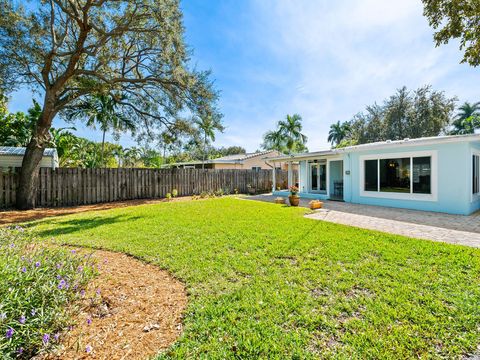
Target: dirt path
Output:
[
  {"x": 132, "y": 310},
  {"x": 15, "y": 216}
]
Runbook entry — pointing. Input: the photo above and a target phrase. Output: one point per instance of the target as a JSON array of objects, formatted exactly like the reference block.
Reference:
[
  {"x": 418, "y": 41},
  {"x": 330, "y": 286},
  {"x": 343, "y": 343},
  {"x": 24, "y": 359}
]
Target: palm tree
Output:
[
  {"x": 467, "y": 119},
  {"x": 208, "y": 126},
  {"x": 338, "y": 132},
  {"x": 102, "y": 110},
  {"x": 291, "y": 129},
  {"x": 274, "y": 140}
]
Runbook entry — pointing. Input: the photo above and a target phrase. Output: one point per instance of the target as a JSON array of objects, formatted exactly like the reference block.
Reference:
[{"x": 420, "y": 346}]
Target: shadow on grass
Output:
[{"x": 62, "y": 227}]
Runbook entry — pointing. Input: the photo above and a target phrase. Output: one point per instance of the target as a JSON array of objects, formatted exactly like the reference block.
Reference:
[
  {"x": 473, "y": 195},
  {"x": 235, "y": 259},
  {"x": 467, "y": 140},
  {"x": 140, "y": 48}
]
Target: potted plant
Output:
[
  {"x": 294, "y": 199},
  {"x": 251, "y": 190}
]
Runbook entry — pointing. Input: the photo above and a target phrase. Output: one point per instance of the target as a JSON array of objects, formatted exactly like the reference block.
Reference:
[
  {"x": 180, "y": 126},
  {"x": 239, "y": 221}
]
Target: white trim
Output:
[
  {"x": 473, "y": 197},
  {"x": 309, "y": 176},
  {"x": 402, "y": 196}
]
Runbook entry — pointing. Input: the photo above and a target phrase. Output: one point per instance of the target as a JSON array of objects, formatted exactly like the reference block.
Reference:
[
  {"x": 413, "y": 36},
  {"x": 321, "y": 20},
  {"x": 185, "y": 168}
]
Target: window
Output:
[
  {"x": 475, "y": 174},
  {"x": 395, "y": 175},
  {"x": 371, "y": 175},
  {"x": 256, "y": 168},
  {"x": 422, "y": 171},
  {"x": 409, "y": 175}
]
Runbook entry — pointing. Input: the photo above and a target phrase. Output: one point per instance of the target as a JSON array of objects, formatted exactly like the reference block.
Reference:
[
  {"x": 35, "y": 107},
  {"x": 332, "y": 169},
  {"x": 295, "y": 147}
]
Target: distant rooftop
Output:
[
  {"x": 229, "y": 159},
  {"x": 20, "y": 151}
]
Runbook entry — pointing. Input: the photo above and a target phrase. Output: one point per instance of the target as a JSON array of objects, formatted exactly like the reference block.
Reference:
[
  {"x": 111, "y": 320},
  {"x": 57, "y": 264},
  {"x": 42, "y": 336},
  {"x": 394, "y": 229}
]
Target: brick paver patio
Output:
[{"x": 453, "y": 229}]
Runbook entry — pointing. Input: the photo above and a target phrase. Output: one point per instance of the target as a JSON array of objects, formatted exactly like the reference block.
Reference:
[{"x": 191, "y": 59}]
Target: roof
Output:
[
  {"x": 229, "y": 159},
  {"x": 383, "y": 144},
  {"x": 20, "y": 151}
]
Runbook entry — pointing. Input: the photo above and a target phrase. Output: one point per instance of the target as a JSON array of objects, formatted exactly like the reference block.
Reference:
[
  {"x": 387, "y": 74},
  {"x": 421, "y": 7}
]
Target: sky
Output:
[{"x": 325, "y": 60}]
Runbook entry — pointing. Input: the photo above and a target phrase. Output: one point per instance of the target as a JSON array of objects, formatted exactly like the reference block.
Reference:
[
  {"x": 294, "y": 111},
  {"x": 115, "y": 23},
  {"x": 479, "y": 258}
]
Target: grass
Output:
[{"x": 265, "y": 282}]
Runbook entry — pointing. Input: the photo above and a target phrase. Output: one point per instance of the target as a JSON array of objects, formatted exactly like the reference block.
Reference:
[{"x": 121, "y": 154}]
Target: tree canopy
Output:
[
  {"x": 406, "y": 114},
  {"x": 67, "y": 50},
  {"x": 456, "y": 19}
]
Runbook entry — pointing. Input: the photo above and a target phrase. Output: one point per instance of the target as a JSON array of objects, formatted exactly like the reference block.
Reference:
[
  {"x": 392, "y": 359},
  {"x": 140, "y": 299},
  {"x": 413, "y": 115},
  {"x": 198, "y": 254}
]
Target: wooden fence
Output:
[{"x": 75, "y": 186}]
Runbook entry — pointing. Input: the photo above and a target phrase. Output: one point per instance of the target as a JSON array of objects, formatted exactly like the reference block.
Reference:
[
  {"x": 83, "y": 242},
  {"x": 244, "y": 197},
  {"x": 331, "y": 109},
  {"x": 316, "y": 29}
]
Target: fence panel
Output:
[{"x": 75, "y": 186}]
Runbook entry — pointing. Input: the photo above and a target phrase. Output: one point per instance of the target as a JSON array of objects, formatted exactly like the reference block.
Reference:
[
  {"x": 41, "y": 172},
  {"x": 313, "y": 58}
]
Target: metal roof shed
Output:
[{"x": 13, "y": 157}]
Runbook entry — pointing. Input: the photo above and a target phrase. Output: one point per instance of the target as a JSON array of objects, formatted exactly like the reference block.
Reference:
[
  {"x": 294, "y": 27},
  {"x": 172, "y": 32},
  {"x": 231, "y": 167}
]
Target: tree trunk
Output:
[
  {"x": 27, "y": 185},
  {"x": 103, "y": 149}
]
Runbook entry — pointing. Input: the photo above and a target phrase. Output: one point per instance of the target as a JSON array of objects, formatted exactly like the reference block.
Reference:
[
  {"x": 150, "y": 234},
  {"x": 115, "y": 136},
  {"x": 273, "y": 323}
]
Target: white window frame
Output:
[
  {"x": 473, "y": 197},
  {"x": 322, "y": 161},
  {"x": 402, "y": 196}
]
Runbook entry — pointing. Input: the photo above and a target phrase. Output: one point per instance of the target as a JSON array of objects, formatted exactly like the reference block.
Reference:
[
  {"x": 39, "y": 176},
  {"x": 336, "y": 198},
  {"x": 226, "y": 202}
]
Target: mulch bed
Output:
[
  {"x": 16, "y": 216},
  {"x": 132, "y": 310}
]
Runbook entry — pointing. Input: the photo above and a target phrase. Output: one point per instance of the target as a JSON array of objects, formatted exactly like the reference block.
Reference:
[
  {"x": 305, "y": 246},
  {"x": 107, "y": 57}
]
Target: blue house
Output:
[{"x": 432, "y": 174}]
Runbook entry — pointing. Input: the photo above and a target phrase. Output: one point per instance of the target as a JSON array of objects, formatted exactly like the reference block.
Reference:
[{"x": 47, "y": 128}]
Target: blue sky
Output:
[{"x": 325, "y": 60}]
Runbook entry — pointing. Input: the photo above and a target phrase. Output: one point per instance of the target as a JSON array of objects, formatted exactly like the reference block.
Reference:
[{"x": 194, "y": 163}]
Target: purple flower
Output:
[
  {"x": 37, "y": 264},
  {"x": 59, "y": 277},
  {"x": 59, "y": 266},
  {"x": 9, "y": 334},
  {"x": 33, "y": 312},
  {"x": 89, "y": 321},
  {"x": 24, "y": 269},
  {"x": 105, "y": 261},
  {"x": 19, "y": 228},
  {"x": 20, "y": 350},
  {"x": 62, "y": 284},
  {"x": 46, "y": 338},
  {"x": 82, "y": 292},
  {"x": 22, "y": 319},
  {"x": 12, "y": 245},
  {"x": 88, "y": 349},
  {"x": 98, "y": 292},
  {"x": 80, "y": 269},
  {"x": 56, "y": 336},
  {"x": 22, "y": 258},
  {"x": 74, "y": 251}
]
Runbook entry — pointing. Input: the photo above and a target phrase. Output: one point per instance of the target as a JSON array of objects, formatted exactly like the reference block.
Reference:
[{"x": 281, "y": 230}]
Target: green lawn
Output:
[{"x": 264, "y": 282}]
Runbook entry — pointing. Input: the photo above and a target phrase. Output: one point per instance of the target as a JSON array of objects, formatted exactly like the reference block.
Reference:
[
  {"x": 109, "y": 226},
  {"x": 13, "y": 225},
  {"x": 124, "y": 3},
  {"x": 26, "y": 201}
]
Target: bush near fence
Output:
[{"x": 76, "y": 186}]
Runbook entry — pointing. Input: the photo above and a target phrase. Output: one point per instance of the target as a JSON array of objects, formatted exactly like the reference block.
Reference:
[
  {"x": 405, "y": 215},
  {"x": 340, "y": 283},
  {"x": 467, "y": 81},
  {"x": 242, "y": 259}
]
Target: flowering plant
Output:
[
  {"x": 293, "y": 190},
  {"x": 39, "y": 284}
]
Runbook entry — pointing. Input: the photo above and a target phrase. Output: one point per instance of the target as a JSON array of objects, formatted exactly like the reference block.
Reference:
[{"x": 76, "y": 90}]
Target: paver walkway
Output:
[{"x": 453, "y": 229}]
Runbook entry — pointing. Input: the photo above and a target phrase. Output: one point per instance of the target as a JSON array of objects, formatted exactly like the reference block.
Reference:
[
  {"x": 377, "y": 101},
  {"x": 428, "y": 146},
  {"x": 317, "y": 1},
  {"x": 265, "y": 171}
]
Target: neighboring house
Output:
[
  {"x": 249, "y": 161},
  {"x": 13, "y": 157},
  {"x": 434, "y": 174}
]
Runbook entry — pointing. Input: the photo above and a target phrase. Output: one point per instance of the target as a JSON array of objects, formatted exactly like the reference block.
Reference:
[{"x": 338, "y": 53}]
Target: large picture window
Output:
[
  {"x": 475, "y": 174},
  {"x": 410, "y": 175}
]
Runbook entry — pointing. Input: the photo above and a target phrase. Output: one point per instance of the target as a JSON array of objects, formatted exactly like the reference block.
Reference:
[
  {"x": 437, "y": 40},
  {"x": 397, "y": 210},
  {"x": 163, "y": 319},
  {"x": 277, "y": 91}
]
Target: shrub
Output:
[
  {"x": 203, "y": 195},
  {"x": 168, "y": 196},
  {"x": 174, "y": 193},
  {"x": 38, "y": 288}
]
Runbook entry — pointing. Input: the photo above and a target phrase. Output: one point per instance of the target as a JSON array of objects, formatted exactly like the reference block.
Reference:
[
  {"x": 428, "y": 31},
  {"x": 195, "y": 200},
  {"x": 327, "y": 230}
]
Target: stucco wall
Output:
[{"x": 453, "y": 164}]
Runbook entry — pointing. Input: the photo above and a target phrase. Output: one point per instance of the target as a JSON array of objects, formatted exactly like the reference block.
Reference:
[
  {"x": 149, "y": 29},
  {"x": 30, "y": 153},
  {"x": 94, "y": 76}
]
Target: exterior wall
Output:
[
  {"x": 16, "y": 161},
  {"x": 226, "y": 166},
  {"x": 453, "y": 186}
]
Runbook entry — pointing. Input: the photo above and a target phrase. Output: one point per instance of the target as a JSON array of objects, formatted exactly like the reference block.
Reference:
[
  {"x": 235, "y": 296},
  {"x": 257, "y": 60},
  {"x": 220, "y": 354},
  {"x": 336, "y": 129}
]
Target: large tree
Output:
[
  {"x": 69, "y": 49},
  {"x": 456, "y": 19},
  {"x": 288, "y": 136},
  {"x": 338, "y": 132},
  {"x": 406, "y": 114}
]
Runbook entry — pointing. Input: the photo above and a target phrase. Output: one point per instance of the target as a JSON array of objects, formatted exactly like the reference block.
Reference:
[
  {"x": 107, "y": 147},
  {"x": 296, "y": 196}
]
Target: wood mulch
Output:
[
  {"x": 17, "y": 216},
  {"x": 132, "y": 310}
]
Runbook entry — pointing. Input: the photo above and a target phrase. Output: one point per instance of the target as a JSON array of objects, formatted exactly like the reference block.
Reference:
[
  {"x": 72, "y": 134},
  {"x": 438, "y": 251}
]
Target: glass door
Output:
[{"x": 318, "y": 177}]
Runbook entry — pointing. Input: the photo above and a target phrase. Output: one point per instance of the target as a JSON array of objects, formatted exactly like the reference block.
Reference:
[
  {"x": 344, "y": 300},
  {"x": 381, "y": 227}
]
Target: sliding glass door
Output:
[{"x": 318, "y": 177}]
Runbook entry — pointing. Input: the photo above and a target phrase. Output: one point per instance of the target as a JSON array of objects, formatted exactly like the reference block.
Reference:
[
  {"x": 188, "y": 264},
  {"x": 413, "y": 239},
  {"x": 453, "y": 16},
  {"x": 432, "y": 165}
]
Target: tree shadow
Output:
[{"x": 62, "y": 227}]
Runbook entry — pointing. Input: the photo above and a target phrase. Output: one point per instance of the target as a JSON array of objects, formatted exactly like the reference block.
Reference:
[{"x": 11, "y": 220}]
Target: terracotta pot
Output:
[
  {"x": 294, "y": 200},
  {"x": 314, "y": 205},
  {"x": 280, "y": 200},
  {"x": 251, "y": 191}
]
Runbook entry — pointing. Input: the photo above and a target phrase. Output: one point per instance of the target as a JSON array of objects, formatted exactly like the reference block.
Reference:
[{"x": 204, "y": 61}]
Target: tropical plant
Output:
[
  {"x": 69, "y": 50},
  {"x": 338, "y": 132},
  {"x": 207, "y": 126},
  {"x": 467, "y": 119},
  {"x": 288, "y": 137},
  {"x": 102, "y": 110}
]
